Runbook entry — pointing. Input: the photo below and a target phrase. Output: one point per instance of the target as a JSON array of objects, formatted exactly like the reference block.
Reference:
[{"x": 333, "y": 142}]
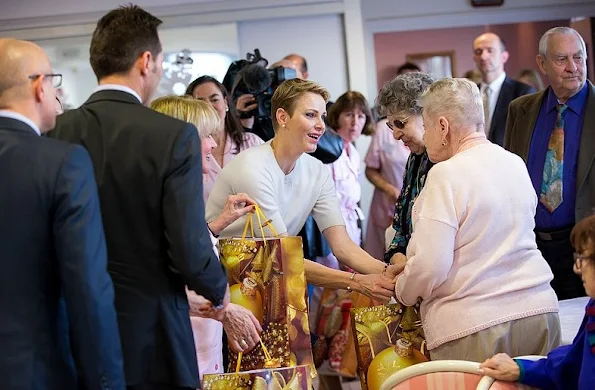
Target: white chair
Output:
[
  {"x": 435, "y": 375},
  {"x": 489, "y": 383}
]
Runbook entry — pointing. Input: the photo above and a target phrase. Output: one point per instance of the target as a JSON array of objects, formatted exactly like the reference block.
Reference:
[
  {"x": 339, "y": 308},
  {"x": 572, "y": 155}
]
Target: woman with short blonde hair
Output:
[
  {"x": 197, "y": 112},
  {"x": 473, "y": 249},
  {"x": 288, "y": 184}
]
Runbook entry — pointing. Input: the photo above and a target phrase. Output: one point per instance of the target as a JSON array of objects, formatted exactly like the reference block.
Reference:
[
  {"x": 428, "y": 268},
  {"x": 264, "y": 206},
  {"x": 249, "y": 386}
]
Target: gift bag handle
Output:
[
  {"x": 267, "y": 356},
  {"x": 249, "y": 223}
]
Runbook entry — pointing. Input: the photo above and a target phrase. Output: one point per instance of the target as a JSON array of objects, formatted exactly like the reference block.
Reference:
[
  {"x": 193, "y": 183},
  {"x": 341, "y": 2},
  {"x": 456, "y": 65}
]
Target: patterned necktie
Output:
[
  {"x": 553, "y": 169},
  {"x": 486, "y": 108}
]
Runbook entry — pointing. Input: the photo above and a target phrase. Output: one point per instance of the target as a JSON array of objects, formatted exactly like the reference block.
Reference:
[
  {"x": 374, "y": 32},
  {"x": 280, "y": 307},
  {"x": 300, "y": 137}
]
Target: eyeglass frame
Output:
[
  {"x": 578, "y": 260},
  {"x": 55, "y": 84},
  {"x": 398, "y": 123}
]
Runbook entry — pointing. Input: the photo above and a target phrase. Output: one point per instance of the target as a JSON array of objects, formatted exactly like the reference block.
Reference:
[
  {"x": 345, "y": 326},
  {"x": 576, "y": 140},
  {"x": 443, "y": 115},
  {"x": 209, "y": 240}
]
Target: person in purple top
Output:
[{"x": 570, "y": 367}]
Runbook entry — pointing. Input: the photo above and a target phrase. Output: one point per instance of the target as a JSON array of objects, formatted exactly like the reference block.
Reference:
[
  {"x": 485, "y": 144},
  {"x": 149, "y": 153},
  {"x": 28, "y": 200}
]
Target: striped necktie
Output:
[
  {"x": 553, "y": 169},
  {"x": 487, "y": 92}
]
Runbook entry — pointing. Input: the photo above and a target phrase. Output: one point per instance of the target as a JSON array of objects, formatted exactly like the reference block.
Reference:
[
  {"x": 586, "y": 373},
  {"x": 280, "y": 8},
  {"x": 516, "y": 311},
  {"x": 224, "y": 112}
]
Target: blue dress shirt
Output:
[{"x": 563, "y": 216}]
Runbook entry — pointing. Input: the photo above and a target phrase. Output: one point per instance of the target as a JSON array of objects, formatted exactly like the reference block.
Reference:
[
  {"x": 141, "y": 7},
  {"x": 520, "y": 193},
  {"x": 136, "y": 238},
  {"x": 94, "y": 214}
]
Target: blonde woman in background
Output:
[{"x": 241, "y": 326}]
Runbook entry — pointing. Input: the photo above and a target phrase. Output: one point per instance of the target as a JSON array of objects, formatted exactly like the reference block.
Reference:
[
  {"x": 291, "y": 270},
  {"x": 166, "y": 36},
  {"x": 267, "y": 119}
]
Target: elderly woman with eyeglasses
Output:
[
  {"x": 398, "y": 101},
  {"x": 571, "y": 367},
  {"x": 472, "y": 258}
]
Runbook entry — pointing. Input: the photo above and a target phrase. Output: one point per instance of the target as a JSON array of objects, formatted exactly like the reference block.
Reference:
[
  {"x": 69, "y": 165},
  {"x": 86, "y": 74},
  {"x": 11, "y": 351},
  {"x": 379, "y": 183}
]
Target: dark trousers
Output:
[{"x": 557, "y": 251}]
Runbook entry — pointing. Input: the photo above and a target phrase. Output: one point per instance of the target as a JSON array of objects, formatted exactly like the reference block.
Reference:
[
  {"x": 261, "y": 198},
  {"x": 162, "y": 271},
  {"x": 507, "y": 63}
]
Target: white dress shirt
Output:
[
  {"x": 495, "y": 87},
  {"x": 118, "y": 87},
  {"x": 20, "y": 117}
]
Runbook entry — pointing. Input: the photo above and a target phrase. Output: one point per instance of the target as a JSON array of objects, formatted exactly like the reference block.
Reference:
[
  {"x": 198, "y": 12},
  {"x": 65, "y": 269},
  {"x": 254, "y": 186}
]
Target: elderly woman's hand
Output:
[
  {"x": 199, "y": 305},
  {"x": 501, "y": 367},
  {"x": 242, "y": 328},
  {"x": 378, "y": 287},
  {"x": 397, "y": 265},
  {"x": 235, "y": 207}
]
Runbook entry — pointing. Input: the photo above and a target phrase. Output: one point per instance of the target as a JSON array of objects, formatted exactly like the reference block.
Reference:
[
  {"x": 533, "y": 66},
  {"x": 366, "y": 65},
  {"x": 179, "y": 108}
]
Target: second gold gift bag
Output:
[
  {"x": 388, "y": 338},
  {"x": 266, "y": 276}
]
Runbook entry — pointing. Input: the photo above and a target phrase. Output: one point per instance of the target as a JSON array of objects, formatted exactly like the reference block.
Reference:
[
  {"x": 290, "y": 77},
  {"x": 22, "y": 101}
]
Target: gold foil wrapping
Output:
[
  {"x": 388, "y": 338},
  {"x": 276, "y": 265},
  {"x": 289, "y": 378}
]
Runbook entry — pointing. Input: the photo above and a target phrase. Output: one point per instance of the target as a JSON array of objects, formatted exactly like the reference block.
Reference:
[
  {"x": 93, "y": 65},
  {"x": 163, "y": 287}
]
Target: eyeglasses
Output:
[
  {"x": 578, "y": 261},
  {"x": 56, "y": 78},
  {"x": 398, "y": 123}
]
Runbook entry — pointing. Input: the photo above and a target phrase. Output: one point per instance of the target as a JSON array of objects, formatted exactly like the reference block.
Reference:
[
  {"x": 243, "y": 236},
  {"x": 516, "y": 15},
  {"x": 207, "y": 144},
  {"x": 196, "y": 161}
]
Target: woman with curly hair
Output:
[{"x": 398, "y": 100}]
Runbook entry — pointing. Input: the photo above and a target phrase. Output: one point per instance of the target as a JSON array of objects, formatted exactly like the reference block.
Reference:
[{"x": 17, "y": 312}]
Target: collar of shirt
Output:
[
  {"x": 495, "y": 85},
  {"x": 118, "y": 87},
  {"x": 576, "y": 103},
  {"x": 21, "y": 118}
]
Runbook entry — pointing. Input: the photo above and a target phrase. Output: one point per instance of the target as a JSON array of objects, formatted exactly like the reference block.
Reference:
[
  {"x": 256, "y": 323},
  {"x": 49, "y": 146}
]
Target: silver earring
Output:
[{"x": 226, "y": 109}]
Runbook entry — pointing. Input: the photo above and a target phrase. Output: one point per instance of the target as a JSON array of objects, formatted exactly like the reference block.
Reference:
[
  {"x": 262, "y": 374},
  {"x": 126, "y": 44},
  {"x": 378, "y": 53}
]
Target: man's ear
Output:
[
  {"x": 540, "y": 59},
  {"x": 505, "y": 56},
  {"x": 39, "y": 89},
  {"x": 144, "y": 63}
]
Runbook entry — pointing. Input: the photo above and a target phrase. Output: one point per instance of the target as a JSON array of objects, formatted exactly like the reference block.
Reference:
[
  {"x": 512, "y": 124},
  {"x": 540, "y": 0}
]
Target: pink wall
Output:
[
  {"x": 584, "y": 27},
  {"x": 522, "y": 41}
]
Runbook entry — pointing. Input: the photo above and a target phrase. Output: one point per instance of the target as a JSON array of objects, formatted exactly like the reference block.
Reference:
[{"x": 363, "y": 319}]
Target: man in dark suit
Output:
[
  {"x": 58, "y": 328},
  {"x": 497, "y": 90},
  {"x": 554, "y": 132},
  {"x": 149, "y": 174}
]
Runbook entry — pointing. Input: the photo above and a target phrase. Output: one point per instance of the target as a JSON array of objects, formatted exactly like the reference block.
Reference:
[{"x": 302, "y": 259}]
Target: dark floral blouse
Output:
[{"x": 416, "y": 171}]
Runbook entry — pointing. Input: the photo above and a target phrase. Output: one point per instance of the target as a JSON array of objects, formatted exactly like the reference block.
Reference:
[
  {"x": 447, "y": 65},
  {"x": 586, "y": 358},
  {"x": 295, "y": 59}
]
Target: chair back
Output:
[{"x": 435, "y": 375}]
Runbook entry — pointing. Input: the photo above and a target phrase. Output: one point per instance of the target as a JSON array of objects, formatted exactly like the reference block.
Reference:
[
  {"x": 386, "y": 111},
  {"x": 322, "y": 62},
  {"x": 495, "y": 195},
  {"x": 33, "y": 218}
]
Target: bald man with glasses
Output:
[{"x": 58, "y": 327}]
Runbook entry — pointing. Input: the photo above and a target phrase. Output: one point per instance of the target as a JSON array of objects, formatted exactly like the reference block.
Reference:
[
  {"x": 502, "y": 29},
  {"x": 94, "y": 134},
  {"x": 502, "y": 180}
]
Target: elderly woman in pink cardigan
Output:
[{"x": 472, "y": 258}]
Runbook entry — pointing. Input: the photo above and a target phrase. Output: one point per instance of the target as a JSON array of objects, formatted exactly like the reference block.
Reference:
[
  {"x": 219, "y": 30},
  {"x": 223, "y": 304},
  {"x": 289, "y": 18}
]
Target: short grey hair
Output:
[
  {"x": 402, "y": 93},
  {"x": 458, "y": 100},
  {"x": 545, "y": 38}
]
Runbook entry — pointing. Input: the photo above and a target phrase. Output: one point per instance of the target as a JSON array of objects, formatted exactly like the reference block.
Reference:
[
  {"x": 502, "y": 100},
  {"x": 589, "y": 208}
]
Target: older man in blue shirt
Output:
[{"x": 554, "y": 132}]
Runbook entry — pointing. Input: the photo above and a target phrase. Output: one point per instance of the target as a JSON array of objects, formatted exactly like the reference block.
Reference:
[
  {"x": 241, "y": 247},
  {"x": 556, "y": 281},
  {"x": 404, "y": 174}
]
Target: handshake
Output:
[{"x": 381, "y": 287}]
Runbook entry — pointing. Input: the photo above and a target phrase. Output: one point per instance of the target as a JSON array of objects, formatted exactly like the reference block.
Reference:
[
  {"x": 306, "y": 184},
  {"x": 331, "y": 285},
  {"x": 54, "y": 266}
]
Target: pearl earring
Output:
[
  {"x": 443, "y": 143},
  {"x": 226, "y": 109}
]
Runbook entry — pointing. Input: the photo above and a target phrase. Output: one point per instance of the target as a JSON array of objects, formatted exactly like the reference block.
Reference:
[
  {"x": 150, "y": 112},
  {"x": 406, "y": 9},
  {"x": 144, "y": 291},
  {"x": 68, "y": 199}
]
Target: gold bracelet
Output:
[{"x": 352, "y": 277}]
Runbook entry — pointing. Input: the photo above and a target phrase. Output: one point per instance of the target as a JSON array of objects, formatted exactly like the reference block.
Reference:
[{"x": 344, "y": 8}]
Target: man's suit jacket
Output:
[
  {"x": 149, "y": 174},
  {"x": 511, "y": 89},
  {"x": 522, "y": 117},
  {"x": 54, "y": 281}
]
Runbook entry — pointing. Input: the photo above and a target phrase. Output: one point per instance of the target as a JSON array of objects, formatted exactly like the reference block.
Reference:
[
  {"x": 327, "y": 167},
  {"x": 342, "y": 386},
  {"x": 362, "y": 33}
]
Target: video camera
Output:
[{"x": 251, "y": 76}]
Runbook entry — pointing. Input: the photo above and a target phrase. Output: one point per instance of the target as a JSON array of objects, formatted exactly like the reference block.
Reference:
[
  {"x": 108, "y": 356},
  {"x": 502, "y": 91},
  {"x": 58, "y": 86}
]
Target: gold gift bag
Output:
[
  {"x": 287, "y": 378},
  {"x": 334, "y": 330},
  {"x": 266, "y": 276},
  {"x": 388, "y": 338}
]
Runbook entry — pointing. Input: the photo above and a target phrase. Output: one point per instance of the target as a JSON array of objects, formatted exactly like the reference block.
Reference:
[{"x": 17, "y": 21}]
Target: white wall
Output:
[{"x": 318, "y": 38}]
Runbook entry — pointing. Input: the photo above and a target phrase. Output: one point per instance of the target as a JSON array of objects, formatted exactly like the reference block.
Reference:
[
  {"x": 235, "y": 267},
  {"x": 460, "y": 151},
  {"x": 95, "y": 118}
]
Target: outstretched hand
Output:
[{"x": 378, "y": 287}]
